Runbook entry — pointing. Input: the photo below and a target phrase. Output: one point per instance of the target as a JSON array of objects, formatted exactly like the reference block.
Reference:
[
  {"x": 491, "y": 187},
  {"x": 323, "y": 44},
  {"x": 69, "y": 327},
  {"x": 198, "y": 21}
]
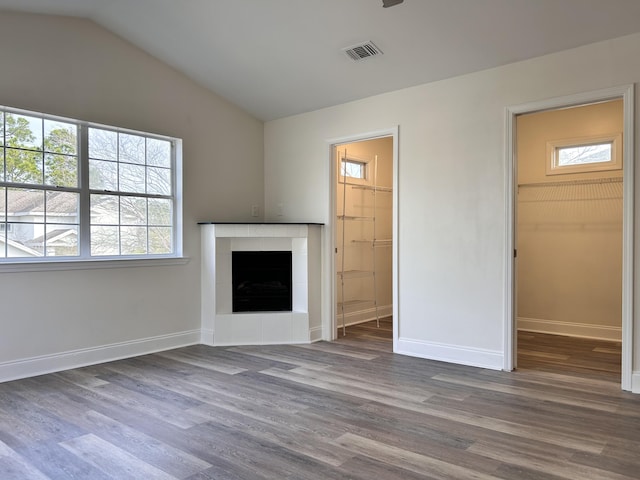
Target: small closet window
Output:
[
  {"x": 354, "y": 169},
  {"x": 588, "y": 154}
]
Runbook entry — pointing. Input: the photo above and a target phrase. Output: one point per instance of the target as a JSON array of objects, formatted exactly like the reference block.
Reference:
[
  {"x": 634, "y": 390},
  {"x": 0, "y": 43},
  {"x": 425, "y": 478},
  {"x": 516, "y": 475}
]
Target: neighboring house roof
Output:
[
  {"x": 18, "y": 246},
  {"x": 31, "y": 202},
  {"x": 54, "y": 237}
]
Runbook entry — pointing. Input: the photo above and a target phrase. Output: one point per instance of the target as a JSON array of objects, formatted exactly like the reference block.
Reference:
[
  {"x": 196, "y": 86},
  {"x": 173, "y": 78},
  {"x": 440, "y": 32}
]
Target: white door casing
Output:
[{"x": 626, "y": 93}]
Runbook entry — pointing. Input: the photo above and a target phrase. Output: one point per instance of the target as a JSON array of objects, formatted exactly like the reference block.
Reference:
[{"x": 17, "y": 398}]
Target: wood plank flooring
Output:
[
  {"x": 349, "y": 409},
  {"x": 580, "y": 356}
]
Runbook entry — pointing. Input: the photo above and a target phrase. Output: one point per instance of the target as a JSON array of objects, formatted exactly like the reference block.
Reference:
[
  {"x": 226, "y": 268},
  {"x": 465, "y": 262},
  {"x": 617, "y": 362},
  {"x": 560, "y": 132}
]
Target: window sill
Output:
[{"x": 15, "y": 267}]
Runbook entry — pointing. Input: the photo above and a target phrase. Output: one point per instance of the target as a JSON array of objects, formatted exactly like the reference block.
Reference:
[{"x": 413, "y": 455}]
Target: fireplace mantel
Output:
[
  {"x": 260, "y": 223},
  {"x": 220, "y": 326}
]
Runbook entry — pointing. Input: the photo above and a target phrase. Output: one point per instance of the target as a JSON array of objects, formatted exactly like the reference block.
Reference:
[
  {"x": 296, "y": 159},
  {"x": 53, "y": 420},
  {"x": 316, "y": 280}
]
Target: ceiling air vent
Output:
[{"x": 362, "y": 51}]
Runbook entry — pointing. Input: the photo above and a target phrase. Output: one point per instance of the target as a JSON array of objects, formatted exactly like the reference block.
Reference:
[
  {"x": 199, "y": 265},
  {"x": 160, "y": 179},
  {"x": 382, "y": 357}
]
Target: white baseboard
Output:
[
  {"x": 315, "y": 334},
  {"x": 206, "y": 337},
  {"x": 30, "y": 367},
  {"x": 475, "y": 357},
  {"x": 260, "y": 344},
  {"x": 635, "y": 382},
  {"x": 571, "y": 329}
]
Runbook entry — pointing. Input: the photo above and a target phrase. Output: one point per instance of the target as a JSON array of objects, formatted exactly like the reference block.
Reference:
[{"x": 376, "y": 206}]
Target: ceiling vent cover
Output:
[{"x": 362, "y": 51}]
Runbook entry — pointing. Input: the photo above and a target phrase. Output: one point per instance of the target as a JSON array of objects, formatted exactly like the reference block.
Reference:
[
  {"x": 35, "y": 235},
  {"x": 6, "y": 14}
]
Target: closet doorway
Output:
[
  {"x": 569, "y": 239},
  {"x": 363, "y": 238}
]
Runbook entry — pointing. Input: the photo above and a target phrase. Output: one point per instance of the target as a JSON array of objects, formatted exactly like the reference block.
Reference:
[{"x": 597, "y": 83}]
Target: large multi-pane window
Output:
[{"x": 73, "y": 190}]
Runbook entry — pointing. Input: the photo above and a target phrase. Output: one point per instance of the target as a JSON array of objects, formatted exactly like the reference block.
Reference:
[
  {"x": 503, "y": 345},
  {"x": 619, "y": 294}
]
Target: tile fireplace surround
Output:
[{"x": 220, "y": 326}]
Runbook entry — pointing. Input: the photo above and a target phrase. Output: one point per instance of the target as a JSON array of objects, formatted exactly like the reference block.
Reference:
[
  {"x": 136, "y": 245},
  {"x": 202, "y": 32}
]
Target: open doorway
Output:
[
  {"x": 569, "y": 240},
  {"x": 363, "y": 239},
  {"x": 613, "y": 194}
]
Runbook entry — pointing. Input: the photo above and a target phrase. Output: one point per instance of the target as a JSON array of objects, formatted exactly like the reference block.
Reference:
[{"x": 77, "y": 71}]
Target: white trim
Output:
[
  {"x": 509, "y": 334},
  {"x": 261, "y": 343},
  {"x": 395, "y": 249},
  {"x": 474, "y": 357},
  {"x": 570, "y": 329},
  {"x": 31, "y": 367},
  {"x": 635, "y": 382},
  {"x": 329, "y": 318},
  {"x": 206, "y": 337},
  {"x": 626, "y": 92},
  {"x": 178, "y": 214},
  {"x": 315, "y": 334},
  {"x": 45, "y": 266},
  {"x": 628, "y": 235}
]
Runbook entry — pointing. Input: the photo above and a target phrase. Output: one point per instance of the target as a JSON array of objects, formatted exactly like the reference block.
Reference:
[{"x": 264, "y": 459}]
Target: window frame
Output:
[
  {"x": 84, "y": 259},
  {"x": 554, "y": 146},
  {"x": 363, "y": 165},
  {"x": 354, "y": 180}
]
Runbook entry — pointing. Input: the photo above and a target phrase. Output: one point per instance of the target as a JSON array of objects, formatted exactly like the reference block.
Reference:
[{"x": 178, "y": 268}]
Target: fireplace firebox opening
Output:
[{"x": 261, "y": 281}]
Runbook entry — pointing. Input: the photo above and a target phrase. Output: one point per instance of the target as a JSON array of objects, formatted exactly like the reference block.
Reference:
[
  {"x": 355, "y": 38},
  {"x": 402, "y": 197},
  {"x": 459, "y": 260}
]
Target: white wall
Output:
[
  {"x": 452, "y": 198},
  {"x": 74, "y": 68},
  {"x": 569, "y": 266}
]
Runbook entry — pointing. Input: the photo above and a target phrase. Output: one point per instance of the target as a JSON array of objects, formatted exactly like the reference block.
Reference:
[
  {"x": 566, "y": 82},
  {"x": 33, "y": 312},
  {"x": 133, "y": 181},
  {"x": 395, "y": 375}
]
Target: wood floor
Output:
[
  {"x": 584, "y": 357},
  {"x": 343, "y": 410}
]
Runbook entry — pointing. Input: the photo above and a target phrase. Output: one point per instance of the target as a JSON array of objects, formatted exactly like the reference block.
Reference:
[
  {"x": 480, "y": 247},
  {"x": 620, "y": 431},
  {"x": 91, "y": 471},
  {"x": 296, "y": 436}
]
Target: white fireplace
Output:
[{"x": 220, "y": 325}]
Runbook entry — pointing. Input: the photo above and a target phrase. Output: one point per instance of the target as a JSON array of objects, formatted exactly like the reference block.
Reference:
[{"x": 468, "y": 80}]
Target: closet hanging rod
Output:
[{"x": 588, "y": 181}]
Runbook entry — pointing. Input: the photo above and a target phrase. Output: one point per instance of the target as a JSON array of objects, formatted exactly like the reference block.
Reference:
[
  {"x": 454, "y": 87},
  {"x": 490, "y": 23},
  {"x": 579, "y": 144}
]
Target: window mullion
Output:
[{"x": 85, "y": 197}]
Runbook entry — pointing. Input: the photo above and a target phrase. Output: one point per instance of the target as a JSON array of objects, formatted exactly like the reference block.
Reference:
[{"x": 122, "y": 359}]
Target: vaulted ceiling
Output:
[{"x": 276, "y": 58}]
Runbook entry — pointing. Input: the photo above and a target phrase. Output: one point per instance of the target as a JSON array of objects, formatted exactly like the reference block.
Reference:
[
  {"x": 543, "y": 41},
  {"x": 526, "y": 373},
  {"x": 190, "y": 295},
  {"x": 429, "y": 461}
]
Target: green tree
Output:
[
  {"x": 23, "y": 164},
  {"x": 31, "y": 160},
  {"x": 60, "y": 160}
]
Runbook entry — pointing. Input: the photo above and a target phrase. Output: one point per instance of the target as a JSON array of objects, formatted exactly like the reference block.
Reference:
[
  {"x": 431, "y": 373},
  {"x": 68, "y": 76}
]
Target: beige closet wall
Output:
[
  {"x": 359, "y": 255},
  {"x": 569, "y": 234}
]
